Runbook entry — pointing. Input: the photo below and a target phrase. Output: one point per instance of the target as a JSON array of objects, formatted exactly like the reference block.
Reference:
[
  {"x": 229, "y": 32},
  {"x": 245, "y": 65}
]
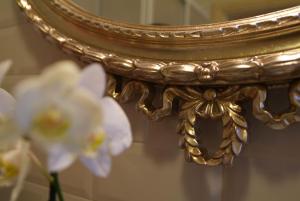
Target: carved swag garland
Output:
[{"x": 217, "y": 104}]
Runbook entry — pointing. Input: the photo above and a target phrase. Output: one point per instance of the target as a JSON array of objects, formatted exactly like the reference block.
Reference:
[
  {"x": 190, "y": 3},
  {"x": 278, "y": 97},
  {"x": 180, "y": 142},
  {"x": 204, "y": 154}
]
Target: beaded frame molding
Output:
[{"x": 203, "y": 71}]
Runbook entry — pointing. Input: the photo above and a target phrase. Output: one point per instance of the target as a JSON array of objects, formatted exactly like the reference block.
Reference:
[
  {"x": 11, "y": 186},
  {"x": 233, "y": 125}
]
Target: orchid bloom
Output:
[
  {"x": 65, "y": 111},
  {"x": 14, "y": 166},
  {"x": 14, "y": 159},
  {"x": 8, "y": 131}
]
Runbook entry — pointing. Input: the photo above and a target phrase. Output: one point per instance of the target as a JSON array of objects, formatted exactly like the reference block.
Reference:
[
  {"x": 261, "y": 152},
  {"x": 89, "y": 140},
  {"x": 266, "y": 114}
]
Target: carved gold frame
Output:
[{"x": 208, "y": 70}]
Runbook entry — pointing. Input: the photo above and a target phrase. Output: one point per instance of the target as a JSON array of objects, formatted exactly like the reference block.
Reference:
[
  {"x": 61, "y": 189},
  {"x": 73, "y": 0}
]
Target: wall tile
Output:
[
  {"x": 269, "y": 167},
  {"x": 141, "y": 175},
  {"x": 139, "y": 122},
  {"x": 33, "y": 191},
  {"x": 5, "y": 193},
  {"x": 10, "y": 81},
  {"x": 161, "y": 140},
  {"x": 267, "y": 143},
  {"x": 154, "y": 167},
  {"x": 70, "y": 197},
  {"x": 27, "y": 48},
  {"x": 35, "y": 175},
  {"x": 76, "y": 180},
  {"x": 36, "y": 192},
  {"x": 262, "y": 179},
  {"x": 10, "y": 14}
]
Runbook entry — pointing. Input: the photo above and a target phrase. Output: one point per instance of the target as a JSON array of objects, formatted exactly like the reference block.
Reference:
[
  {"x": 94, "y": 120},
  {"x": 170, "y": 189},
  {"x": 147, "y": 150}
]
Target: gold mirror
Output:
[
  {"x": 180, "y": 12},
  {"x": 207, "y": 56}
]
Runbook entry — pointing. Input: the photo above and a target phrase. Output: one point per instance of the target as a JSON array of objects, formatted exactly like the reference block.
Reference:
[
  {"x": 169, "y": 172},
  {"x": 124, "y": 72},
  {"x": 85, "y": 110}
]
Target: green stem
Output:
[
  {"x": 57, "y": 189},
  {"x": 52, "y": 191},
  {"x": 39, "y": 165}
]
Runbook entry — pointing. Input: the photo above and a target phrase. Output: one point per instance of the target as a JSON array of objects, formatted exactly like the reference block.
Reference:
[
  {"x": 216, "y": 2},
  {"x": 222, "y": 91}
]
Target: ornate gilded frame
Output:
[{"x": 203, "y": 71}]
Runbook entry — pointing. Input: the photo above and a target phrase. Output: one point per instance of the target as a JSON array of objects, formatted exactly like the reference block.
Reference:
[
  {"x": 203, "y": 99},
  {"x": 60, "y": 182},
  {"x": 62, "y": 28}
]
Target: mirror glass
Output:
[{"x": 181, "y": 12}]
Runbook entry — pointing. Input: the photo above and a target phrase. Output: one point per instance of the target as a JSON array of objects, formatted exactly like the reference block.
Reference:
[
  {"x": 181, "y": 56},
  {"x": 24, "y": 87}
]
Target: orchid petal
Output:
[
  {"x": 99, "y": 165},
  {"x": 9, "y": 133},
  {"x": 29, "y": 100},
  {"x": 85, "y": 113},
  {"x": 25, "y": 163},
  {"x": 80, "y": 109},
  {"x": 4, "y": 67},
  {"x": 93, "y": 78},
  {"x": 60, "y": 159},
  {"x": 116, "y": 126},
  {"x": 7, "y": 103},
  {"x": 59, "y": 70},
  {"x": 82, "y": 114},
  {"x": 59, "y": 77}
]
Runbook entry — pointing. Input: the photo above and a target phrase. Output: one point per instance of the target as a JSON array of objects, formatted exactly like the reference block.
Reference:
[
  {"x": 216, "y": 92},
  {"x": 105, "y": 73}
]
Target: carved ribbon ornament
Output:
[
  {"x": 213, "y": 103},
  {"x": 242, "y": 56}
]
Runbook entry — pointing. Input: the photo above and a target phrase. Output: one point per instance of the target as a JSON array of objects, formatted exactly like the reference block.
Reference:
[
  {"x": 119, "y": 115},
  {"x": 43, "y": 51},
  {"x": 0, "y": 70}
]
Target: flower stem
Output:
[
  {"x": 39, "y": 165},
  {"x": 58, "y": 188},
  {"x": 52, "y": 191},
  {"x": 55, "y": 188}
]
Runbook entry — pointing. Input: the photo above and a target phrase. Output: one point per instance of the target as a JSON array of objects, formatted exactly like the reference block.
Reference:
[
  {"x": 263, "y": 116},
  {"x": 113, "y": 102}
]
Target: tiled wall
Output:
[{"x": 153, "y": 169}]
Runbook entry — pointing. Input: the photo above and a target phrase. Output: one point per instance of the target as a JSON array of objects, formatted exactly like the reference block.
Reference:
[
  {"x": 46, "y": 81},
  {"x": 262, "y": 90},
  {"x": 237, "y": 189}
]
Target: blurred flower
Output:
[
  {"x": 64, "y": 110},
  {"x": 9, "y": 133},
  {"x": 14, "y": 160},
  {"x": 14, "y": 165}
]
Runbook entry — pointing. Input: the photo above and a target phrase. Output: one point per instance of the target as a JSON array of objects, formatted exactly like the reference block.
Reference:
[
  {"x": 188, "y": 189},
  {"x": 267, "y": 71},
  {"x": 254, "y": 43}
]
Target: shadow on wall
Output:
[
  {"x": 271, "y": 154},
  {"x": 202, "y": 183},
  {"x": 269, "y": 165},
  {"x": 161, "y": 141},
  {"x": 161, "y": 145},
  {"x": 269, "y": 159}
]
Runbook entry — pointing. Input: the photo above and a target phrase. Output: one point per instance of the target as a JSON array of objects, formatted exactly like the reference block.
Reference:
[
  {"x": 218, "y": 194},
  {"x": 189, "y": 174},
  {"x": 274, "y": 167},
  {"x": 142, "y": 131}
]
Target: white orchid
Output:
[
  {"x": 8, "y": 131},
  {"x": 64, "y": 110},
  {"x": 14, "y": 166},
  {"x": 14, "y": 160}
]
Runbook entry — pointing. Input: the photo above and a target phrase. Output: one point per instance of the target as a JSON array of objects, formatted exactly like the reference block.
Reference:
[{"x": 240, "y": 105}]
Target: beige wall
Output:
[{"x": 153, "y": 169}]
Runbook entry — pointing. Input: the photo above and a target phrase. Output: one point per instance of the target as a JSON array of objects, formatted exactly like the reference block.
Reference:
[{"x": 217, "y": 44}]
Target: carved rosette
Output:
[{"x": 213, "y": 103}]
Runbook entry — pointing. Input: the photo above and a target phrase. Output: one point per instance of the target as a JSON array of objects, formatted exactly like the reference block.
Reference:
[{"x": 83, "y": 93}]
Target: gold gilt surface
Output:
[
  {"x": 207, "y": 61},
  {"x": 204, "y": 71},
  {"x": 213, "y": 103}
]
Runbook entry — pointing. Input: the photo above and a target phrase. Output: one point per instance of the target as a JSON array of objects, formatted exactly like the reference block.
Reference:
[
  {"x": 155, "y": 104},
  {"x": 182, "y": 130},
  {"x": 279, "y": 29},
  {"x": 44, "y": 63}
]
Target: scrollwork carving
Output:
[
  {"x": 213, "y": 103},
  {"x": 205, "y": 87},
  {"x": 278, "y": 121}
]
